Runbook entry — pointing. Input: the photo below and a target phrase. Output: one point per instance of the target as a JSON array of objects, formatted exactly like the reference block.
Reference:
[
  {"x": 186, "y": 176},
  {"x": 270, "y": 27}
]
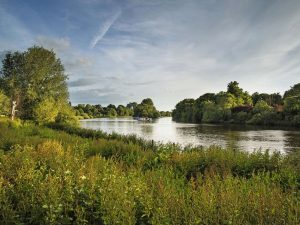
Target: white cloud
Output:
[
  {"x": 57, "y": 44},
  {"x": 190, "y": 47},
  {"x": 104, "y": 28}
]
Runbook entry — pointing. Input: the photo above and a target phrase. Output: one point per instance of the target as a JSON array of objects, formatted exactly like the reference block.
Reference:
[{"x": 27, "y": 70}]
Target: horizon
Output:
[{"x": 116, "y": 52}]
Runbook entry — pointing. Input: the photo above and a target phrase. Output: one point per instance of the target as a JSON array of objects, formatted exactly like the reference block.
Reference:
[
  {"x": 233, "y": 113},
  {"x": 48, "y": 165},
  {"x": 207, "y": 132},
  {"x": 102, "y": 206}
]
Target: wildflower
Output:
[
  {"x": 67, "y": 172},
  {"x": 83, "y": 177}
]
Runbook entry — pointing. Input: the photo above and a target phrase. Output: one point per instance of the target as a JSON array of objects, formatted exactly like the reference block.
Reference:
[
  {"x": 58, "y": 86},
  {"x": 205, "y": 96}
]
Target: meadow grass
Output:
[{"x": 75, "y": 176}]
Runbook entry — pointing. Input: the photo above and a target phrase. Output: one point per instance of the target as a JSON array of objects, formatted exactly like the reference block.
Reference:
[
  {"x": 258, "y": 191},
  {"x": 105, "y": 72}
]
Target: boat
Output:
[{"x": 143, "y": 119}]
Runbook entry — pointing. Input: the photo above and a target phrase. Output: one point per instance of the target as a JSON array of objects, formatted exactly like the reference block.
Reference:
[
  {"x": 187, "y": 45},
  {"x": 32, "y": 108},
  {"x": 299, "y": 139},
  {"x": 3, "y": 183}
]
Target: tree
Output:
[
  {"x": 213, "y": 113},
  {"x": 206, "y": 97},
  {"x": 226, "y": 100},
  {"x": 146, "y": 109},
  {"x": 66, "y": 115},
  {"x": 233, "y": 88},
  {"x": 122, "y": 110},
  {"x": 31, "y": 77},
  {"x": 45, "y": 78},
  {"x": 111, "y": 106},
  {"x": 131, "y": 105},
  {"x": 45, "y": 111},
  {"x": 247, "y": 99},
  {"x": 13, "y": 78},
  {"x": 293, "y": 91},
  {"x": 4, "y": 104},
  {"x": 271, "y": 99},
  {"x": 261, "y": 106},
  {"x": 292, "y": 105},
  {"x": 185, "y": 111},
  {"x": 112, "y": 112},
  {"x": 147, "y": 101}
]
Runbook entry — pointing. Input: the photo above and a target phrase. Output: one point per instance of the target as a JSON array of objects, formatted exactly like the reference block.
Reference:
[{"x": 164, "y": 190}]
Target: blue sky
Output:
[{"x": 117, "y": 51}]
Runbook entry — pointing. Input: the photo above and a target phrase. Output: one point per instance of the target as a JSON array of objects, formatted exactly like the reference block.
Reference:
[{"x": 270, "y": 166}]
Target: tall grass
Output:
[{"x": 52, "y": 177}]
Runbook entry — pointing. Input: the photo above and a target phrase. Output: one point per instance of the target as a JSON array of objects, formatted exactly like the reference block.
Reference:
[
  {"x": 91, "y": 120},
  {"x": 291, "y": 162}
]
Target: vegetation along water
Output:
[{"x": 54, "y": 172}]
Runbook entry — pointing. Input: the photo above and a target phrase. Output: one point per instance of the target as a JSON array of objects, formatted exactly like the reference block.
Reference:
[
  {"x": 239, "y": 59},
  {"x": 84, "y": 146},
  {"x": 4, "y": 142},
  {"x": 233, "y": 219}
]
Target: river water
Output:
[{"x": 165, "y": 130}]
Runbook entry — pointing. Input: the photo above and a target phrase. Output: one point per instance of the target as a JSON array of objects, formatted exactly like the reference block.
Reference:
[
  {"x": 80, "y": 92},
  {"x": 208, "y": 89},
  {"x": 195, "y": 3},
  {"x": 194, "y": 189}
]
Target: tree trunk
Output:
[{"x": 13, "y": 110}]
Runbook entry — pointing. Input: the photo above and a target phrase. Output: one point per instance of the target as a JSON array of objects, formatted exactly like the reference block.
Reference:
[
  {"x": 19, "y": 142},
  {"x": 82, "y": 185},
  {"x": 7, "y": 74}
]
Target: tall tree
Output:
[
  {"x": 293, "y": 91},
  {"x": 13, "y": 78},
  {"x": 45, "y": 78},
  {"x": 233, "y": 88},
  {"x": 146, "y": 109},
  {"x": 33, "y": 76}
]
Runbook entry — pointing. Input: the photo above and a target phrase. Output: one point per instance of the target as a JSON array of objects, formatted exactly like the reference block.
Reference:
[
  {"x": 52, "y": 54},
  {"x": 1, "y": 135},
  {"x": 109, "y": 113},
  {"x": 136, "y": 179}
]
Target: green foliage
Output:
[
  {"x": 271, "y": 99},
  {"x": 13, "y": 76},
  {"x": 236, "y": 106},
  {"x": 165, "y": 114},
  {"x": 206, "y": 97},
  {"x": 261, "y": 106},
  {"x": 293, "y": 91},
  {"x": 296, "y": 120},
  {"x": 234, "y": 89},
  {"x": 45, "y": 111},
  {"x": 112, "y": 112},
  {"x": 265, "y": 118},
  {"x": 123, "y": 111},
  {"x": 146, "y": 109},
  {"x": 4, "y": 104},
  {"x": 184, "y": 111},
  {"x": 227, "y": 100},
  {"x": 131, "y": 105},
  {"x": 212, "y": 108},
  {"x": 97, "y": 111},
  {"x": 241, "y": 117},
  {"x": 45, "y": 74},
  {"x": 36, "y": 81},
  {"x": 292, "y": 105},
  {"x": 51, "y": 177},
  {"x": 66, "y": 115},
  {"x": 213, "y": 113}
]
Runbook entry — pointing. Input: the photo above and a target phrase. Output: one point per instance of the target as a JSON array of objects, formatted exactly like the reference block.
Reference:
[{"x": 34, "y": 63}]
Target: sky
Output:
[{"x": 119, "y": 51}]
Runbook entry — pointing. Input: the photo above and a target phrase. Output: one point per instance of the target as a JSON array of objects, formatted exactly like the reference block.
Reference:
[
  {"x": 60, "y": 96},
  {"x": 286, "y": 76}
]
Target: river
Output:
[{"x": 165, "y": 130}]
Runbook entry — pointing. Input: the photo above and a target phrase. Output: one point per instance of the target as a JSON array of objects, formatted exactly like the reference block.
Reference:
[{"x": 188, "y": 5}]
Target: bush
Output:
[
  {"x": 89, "y": 177},
  {"x": 46, "y": 111},
  {"x": 265, "y": 118},
  {"x": 240, "y": 117},
  {"x": 67, "y": 115},
  {"x": 261, "y": 106},
  {"x": 296, "y": 120}
]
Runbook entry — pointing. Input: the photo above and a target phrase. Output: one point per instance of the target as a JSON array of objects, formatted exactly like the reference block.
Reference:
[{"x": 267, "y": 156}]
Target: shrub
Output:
[
  {"x": 261, "y": 106},
  {"x": 265, "y": 118},
  {"x": 240, "y": 117},
  {"x": 46, "y": 111},
  {"x": 52, "y": 177}
]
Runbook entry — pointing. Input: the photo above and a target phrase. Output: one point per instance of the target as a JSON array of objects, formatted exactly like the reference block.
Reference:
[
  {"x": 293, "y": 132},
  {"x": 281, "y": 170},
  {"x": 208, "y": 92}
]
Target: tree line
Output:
[
  {"x": 237, "y": 106},
  {"x": 145, "y": 109}
]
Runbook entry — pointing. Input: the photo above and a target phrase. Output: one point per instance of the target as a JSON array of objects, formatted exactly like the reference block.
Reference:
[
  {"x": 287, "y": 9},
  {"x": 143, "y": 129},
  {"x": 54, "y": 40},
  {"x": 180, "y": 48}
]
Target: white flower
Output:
[{"x": 83, "y": 177}]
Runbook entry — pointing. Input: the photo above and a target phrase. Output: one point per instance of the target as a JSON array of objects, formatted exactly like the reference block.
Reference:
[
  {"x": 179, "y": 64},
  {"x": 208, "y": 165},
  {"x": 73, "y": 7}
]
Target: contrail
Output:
[{"x": 104, "y": 28}]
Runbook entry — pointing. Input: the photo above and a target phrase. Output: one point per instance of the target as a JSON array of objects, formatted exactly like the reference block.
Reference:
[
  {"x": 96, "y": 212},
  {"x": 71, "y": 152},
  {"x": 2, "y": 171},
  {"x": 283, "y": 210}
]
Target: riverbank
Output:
[
  {"x": 69, "y": 175},
  {"x": 241, "y": 137}
]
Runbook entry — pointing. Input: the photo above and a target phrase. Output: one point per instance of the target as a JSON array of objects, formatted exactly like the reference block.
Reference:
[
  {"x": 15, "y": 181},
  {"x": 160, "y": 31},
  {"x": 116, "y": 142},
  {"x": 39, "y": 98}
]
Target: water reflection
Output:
[{"x": 231, "y": 136}]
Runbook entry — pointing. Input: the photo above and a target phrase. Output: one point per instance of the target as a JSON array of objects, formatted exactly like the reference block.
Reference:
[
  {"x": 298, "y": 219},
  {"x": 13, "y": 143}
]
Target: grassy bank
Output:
[{"x": 70, "y": 175}]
